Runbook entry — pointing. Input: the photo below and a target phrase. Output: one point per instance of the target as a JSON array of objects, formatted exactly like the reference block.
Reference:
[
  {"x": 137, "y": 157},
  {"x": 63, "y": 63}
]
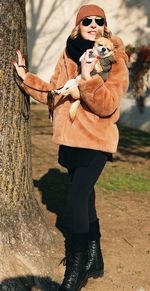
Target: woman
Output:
[{"x": 87, "y": 143}]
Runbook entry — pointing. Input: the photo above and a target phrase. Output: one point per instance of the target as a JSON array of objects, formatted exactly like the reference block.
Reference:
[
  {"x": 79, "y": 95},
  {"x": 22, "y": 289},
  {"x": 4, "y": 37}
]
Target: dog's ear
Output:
[
  {"x": 107, "y": 32},
  {"x": 110, "y": 45},
  {"x": 98, "y": 35}
]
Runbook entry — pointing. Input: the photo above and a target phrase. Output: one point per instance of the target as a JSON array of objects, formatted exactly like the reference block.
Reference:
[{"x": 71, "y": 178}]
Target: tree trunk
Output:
[{"x": 25, "y": 235}]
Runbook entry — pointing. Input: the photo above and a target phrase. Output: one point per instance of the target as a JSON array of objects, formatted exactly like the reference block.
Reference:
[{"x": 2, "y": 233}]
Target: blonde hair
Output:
[{"x": 76, "y": 32}]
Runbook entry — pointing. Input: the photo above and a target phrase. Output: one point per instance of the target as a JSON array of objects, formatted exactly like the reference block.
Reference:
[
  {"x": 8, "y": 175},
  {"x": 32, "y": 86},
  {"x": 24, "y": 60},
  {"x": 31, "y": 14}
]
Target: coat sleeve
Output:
[
  {"x": 103, "y": 98},
  {"x": 33, "y": 85}
]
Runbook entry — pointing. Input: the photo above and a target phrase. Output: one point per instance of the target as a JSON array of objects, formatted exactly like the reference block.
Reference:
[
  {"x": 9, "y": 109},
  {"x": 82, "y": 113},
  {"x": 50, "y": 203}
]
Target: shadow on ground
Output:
[
  {"x": 53, "y": 187},
  {"x": 133, "y": 142},
  {"x": 29, "y": 283}
]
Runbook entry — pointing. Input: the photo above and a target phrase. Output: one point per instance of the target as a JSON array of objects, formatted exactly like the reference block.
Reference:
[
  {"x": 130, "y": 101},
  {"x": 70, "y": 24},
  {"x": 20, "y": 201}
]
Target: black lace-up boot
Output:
[
  {"x": 75, "y": 276},
  {"x": 95, "y": 263}
]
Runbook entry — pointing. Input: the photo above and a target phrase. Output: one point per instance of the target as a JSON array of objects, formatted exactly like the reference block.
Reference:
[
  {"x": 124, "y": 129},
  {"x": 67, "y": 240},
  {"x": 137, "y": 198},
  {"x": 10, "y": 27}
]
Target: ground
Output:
[{"x": 122, "y": 204}]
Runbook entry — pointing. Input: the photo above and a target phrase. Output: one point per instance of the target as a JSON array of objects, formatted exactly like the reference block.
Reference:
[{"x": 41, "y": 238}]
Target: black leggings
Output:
[{"x": 81, "y": 195}]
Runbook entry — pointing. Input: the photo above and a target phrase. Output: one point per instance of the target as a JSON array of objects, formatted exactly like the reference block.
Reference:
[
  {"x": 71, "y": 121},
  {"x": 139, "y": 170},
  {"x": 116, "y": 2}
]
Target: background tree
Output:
[{"x": 26, "y": 238}]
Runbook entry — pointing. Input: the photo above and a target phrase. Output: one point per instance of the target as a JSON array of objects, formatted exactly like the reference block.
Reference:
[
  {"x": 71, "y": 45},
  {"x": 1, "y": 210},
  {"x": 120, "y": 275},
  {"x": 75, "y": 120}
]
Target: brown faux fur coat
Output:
[{"x": 95, "y": 124}]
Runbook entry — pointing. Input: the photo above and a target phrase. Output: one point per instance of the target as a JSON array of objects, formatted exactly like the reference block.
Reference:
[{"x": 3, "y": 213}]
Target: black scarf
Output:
[{"x": 76, "y": 47}]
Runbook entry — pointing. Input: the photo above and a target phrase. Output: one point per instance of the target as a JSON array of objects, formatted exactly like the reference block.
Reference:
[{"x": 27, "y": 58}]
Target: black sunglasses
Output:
[{"x": 87, "y": 21}]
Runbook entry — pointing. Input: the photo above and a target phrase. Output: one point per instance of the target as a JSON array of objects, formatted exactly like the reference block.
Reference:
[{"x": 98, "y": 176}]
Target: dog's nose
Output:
[{"x": 103, "y": 49}]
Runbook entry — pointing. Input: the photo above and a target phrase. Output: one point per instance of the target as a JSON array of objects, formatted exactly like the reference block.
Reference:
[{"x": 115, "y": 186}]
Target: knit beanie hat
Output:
[{"x": 90, "y": 10}]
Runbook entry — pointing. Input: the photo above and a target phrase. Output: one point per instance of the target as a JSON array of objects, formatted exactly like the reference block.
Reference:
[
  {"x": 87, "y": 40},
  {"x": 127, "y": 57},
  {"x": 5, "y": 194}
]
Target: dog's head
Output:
[{"x": 103, "y": 46}]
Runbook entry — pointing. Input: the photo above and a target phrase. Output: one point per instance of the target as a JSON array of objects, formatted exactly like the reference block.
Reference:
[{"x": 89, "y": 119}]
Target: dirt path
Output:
[{"x": 124, "y": 215}]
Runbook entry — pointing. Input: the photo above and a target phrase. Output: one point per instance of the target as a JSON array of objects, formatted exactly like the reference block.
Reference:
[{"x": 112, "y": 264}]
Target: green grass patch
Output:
[
  {"x": 121, "y": 178},
  {"x": 129, "y": 176}
]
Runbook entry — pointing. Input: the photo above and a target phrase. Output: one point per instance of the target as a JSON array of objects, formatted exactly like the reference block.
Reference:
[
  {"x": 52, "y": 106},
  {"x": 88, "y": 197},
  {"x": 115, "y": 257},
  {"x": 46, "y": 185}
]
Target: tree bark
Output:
[{"x": 25, "y": 235}]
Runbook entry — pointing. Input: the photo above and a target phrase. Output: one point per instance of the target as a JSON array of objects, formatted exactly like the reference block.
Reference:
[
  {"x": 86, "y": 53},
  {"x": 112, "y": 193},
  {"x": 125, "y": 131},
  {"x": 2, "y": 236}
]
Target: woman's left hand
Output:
[{"x": 86, "y": 66}]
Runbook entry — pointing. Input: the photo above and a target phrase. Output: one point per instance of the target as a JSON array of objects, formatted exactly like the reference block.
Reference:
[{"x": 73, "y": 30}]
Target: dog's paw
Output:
[{"x": 74, "y": 92}]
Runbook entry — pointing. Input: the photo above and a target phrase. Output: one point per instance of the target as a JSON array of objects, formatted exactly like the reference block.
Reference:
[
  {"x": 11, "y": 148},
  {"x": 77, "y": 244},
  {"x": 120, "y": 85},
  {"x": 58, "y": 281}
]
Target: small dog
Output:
[{"x": 103, "y": 50}]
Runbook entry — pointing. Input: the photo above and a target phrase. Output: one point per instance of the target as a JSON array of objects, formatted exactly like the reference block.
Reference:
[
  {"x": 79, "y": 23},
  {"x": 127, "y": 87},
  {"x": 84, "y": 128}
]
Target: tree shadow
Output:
[
  {"x": 29, "y": 283},
  {"x": 145, "y": 4},
  {"x": 36, "y": 31},
  {"x": 134, "y": 142},
  {"x": 53, "y": 187},
  {"x": 142, "y": 35}
]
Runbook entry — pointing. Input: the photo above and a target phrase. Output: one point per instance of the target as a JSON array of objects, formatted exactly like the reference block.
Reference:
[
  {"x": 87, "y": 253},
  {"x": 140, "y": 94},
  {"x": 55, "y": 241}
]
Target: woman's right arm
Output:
[
  {"x": 32, "y": 84},
  {"x": 40, "y": 88}
]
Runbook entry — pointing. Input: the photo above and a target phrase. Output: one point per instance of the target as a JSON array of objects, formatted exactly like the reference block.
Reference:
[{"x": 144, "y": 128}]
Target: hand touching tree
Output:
[{"x": 20, "y": 65}]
